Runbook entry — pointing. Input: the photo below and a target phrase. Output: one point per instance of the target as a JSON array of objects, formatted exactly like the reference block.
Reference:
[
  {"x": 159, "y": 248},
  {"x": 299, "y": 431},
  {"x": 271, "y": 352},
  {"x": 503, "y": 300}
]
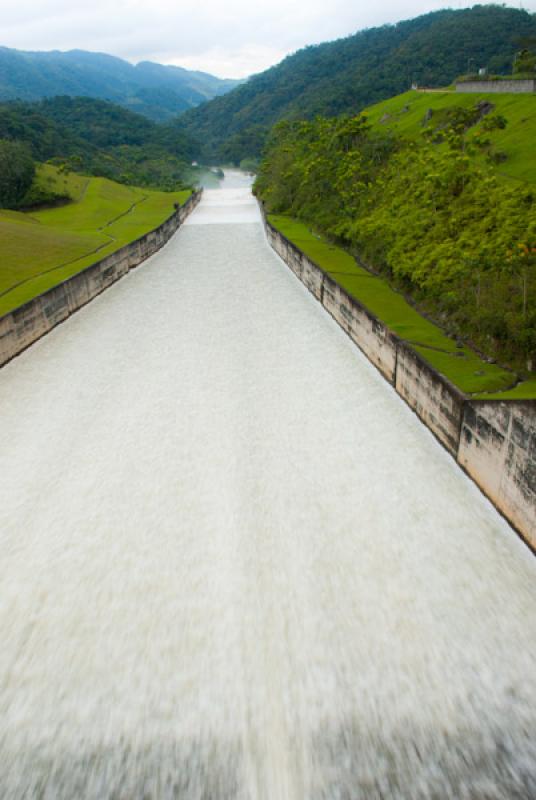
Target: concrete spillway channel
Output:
[{"x": 233, "y": 564}]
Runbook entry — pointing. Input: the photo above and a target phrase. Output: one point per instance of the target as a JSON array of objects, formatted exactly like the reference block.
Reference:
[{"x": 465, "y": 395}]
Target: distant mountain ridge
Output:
[
  {"x": 347, "y": 75},
  {"x": 154, "y": 90}
]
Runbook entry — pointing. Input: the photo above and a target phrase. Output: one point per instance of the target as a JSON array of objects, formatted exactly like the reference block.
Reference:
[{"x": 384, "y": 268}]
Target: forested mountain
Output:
[
  {"x": 157, "y": 91},
  {"x": 351, "y": 73},
  {"x": 100, "y": 138}
]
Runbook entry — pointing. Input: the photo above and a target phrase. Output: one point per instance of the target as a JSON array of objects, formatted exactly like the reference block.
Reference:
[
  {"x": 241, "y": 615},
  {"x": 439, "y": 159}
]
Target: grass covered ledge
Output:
[
  {"x": 459, "y": 364},
  {"x": 41, "y": 248}
]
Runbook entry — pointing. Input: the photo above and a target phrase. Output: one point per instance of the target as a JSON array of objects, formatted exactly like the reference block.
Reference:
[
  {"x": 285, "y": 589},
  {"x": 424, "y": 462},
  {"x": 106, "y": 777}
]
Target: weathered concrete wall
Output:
[
  {"x": 23, "y": 326},
  {"x": 429, "y": 394},
  {"x": 311, "y": 275},
  {"x": 498, "y": 450},
  {"x": 494, "y": 442},
  {"x": 373, "y": 337},
  {"x": 503, "y": 87},
  {"x": 434, "y": 399}
]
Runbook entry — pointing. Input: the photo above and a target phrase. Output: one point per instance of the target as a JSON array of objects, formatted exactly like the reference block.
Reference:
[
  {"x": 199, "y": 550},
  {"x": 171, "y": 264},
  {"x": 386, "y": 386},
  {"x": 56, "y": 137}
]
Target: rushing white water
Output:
[{"x": 233, "y": 564}]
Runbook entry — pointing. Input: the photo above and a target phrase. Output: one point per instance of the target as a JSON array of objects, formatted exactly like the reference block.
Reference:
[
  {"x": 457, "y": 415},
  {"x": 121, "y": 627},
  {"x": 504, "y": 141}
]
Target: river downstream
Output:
[{"x": 234, "y": 565}]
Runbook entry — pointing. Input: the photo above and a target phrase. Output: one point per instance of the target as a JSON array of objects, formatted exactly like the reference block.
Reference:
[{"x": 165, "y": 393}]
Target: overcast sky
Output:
[{"x": 229, "y": 38}]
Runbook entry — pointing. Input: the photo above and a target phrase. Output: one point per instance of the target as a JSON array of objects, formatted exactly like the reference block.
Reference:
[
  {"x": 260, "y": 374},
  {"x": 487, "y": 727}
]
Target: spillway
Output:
[{"x": 234, "y": 565}]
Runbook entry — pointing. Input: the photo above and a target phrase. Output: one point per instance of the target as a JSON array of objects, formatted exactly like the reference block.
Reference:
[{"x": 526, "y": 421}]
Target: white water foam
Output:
[
  {"x": 235, "y": 565},
  {"x": 232, "y": 203}
]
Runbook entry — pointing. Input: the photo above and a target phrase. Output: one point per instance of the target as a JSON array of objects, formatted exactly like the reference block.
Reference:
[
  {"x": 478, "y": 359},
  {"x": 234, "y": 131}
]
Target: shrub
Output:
[{"x": 17, "y": 171}]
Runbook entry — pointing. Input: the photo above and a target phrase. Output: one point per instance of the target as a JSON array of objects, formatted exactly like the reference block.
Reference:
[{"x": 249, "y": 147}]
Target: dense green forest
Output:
[
  {"x": 432, "y": 214},
  {"x": 347, "y": 75},
  {"x": 157, "y": 91},
  {"x": 99, "y": 138}
]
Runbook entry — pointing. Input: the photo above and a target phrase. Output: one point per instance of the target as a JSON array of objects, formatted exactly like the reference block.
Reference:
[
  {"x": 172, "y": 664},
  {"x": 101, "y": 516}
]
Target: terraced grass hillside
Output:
[
  {"x": 413, "y": 112},
  {"x": 39, "y": 249}
]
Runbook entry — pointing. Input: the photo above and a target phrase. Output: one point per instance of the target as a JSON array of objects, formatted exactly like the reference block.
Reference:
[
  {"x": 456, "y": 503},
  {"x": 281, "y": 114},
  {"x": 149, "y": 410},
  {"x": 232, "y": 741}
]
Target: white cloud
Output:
[{"x": 231, "y": 39}]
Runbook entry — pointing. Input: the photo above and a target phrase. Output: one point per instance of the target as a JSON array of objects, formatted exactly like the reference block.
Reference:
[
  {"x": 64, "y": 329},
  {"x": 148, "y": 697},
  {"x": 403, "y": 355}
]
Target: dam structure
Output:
[{"x": 235, "y": 566}]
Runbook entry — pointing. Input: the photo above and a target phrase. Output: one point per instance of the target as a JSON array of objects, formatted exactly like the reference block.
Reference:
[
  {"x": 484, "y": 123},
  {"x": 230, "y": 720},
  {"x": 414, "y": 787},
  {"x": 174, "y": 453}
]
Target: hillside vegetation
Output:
[
  {"x": 42, "y": 248},
  {"x": 154, "y": 90},
  {"x": 347, "y": 75},
  {"x": 102, "y": 139},
  {"x": 434, "y": 192},
  {"x": 509, "y": 149}
]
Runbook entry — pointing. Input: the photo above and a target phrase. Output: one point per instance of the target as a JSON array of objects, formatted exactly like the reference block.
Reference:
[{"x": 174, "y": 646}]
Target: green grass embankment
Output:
[
  {"x": 460, "y": 365},
  {"x": 405, "y": 114},
  {"x": 40, "y": 249},
  {"x": 525, "y": 390}
]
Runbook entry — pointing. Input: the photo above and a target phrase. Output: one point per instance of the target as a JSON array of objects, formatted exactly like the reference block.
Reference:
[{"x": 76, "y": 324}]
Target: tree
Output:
[
  {"x": 17, "y": 171},
  {"x": 525, "y": 63}
]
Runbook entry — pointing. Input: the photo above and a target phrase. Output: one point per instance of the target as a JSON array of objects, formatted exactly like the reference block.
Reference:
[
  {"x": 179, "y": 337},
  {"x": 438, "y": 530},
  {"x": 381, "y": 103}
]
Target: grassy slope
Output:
[
  {"x": 459, "y": 364},
  {"x": 406, "y": 113},
  {"x": 42, "y": 248},
  {"x": 525, "y": 390}
]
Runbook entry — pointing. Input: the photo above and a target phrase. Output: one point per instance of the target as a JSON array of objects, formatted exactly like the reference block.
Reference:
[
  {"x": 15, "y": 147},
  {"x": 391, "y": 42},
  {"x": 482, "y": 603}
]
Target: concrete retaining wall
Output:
[
  {"x": 434, "y": 399},
  {"x": 494, "y": 442},
  {"x": 498, "y": 450},
  {"x": 377, "y": 342},
  {"x": 518, "y": 87},
  {"x": 23, "y": 326},
  {"x": 373, "y": 337}
]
